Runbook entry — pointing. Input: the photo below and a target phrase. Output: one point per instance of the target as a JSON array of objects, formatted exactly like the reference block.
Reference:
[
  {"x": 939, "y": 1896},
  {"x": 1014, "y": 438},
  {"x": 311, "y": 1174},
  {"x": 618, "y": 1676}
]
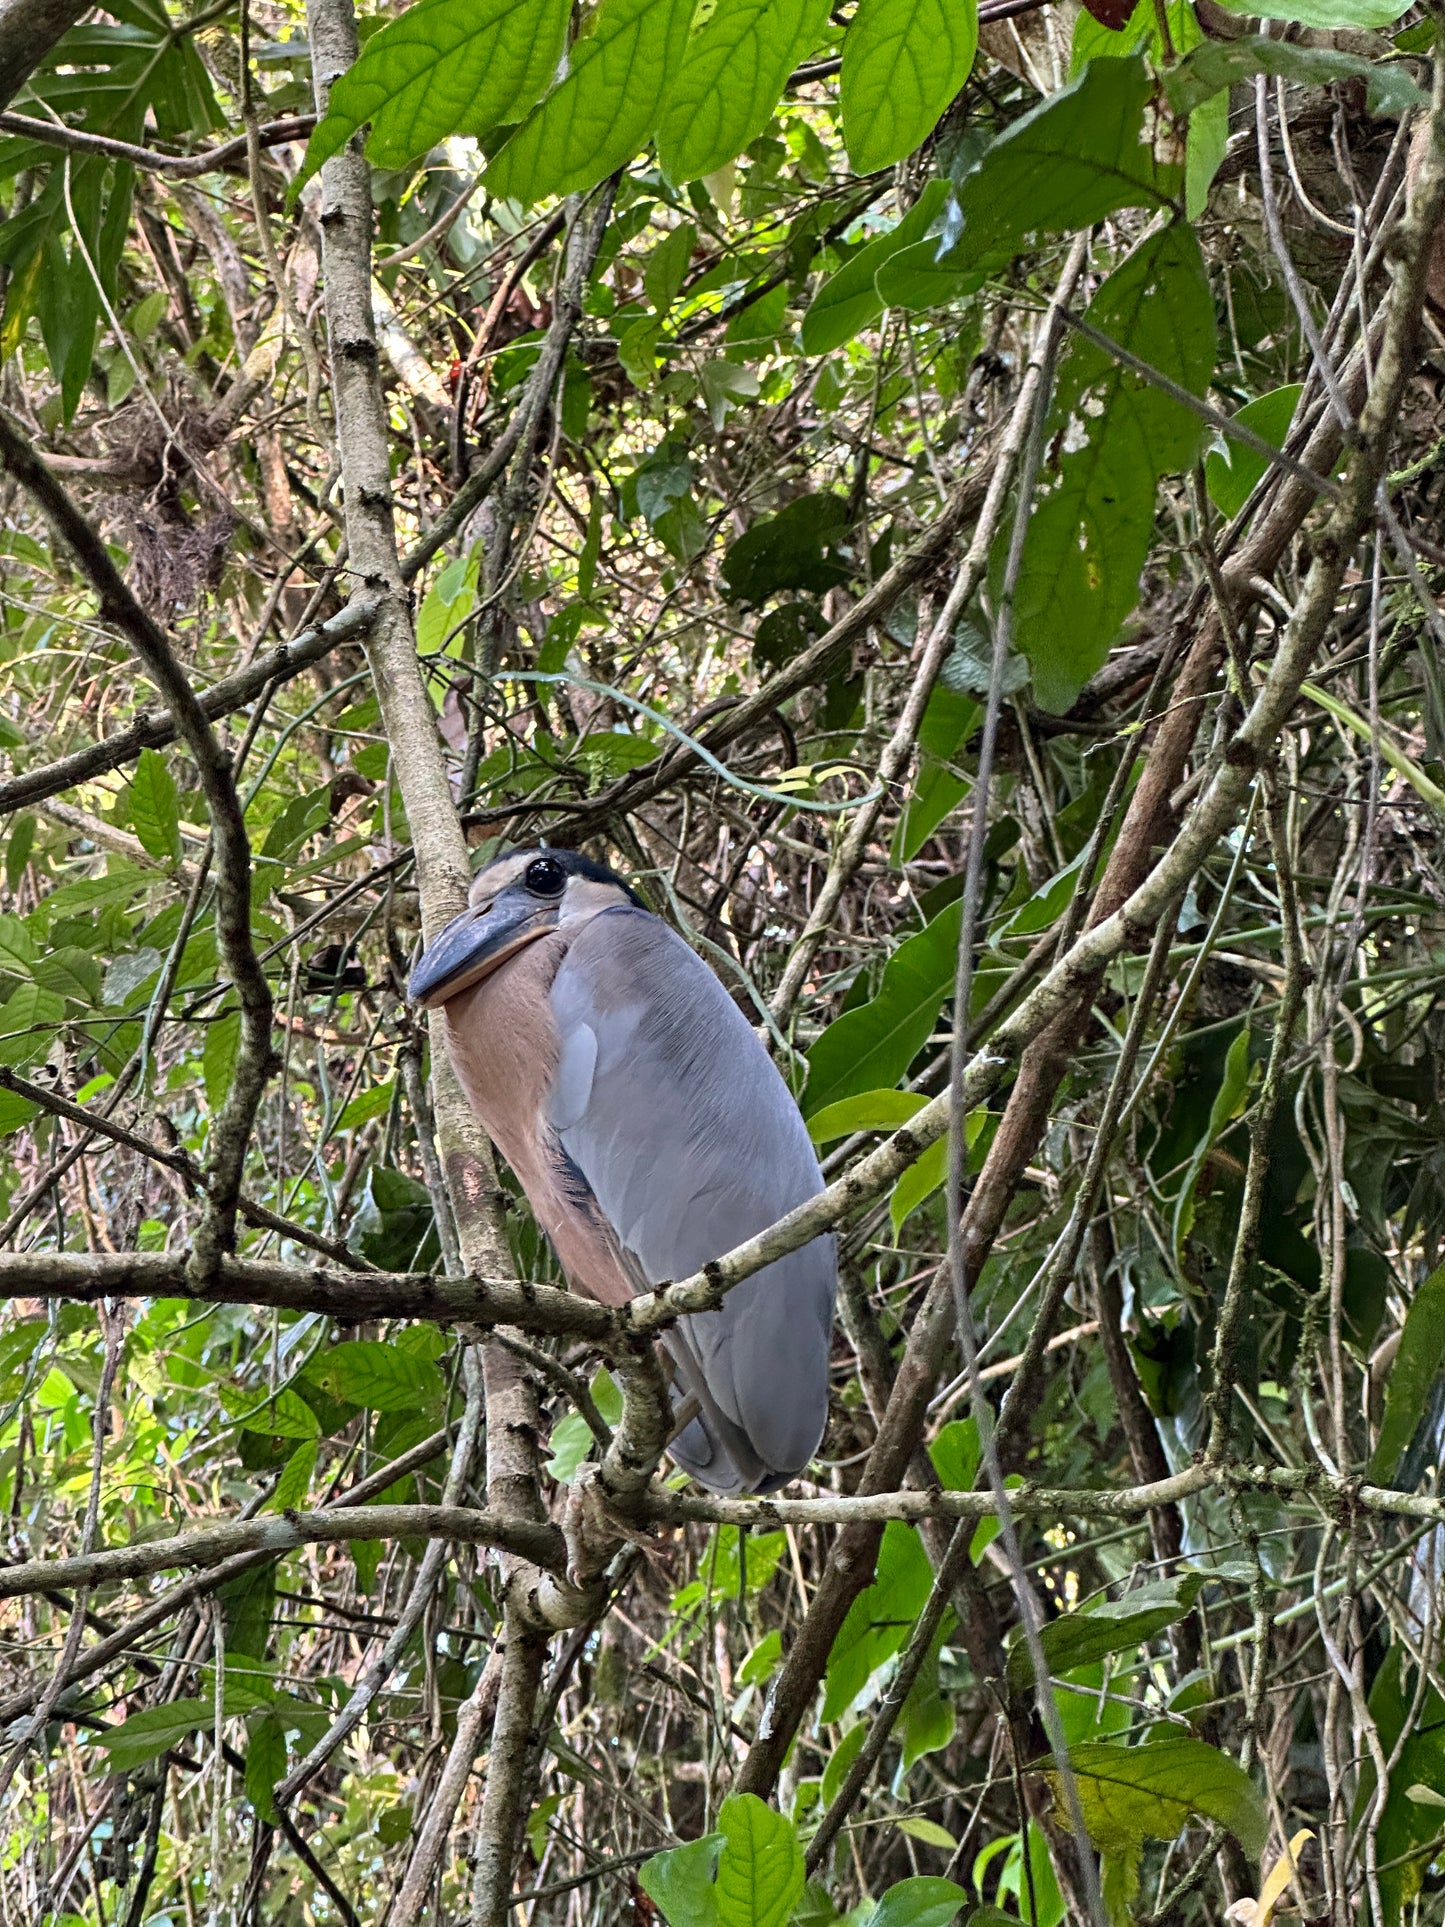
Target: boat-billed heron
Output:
[{"x": 651, "y": 1133}]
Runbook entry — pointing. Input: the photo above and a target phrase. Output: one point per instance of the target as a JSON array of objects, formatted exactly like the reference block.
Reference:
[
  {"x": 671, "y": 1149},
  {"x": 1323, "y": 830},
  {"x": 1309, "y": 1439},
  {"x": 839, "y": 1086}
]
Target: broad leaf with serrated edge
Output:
[
  {"x": 903, "y": 62},
  {"x": 443, "y": 67},
  {"x": 730, "y": 79},
  {"x": 760, "y": 1868},
  {"x": 155, "y": 806},
  {"x": 367, "y": 1371},
  {"x": 596, "y": 119}
]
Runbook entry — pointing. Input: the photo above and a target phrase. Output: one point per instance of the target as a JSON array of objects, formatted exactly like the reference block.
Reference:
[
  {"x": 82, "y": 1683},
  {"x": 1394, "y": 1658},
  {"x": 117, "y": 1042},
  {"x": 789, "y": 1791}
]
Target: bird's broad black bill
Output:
[{"x": 473, "y": 945}]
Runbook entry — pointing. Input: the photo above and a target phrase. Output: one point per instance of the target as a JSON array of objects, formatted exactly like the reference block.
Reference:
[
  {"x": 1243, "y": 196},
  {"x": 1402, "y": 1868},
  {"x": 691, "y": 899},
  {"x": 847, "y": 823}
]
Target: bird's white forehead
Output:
[{"x": 496, "y": 877}]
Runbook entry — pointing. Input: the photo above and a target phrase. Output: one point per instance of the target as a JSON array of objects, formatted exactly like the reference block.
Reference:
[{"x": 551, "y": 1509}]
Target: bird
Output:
[{"x": 651, "y": 1133}]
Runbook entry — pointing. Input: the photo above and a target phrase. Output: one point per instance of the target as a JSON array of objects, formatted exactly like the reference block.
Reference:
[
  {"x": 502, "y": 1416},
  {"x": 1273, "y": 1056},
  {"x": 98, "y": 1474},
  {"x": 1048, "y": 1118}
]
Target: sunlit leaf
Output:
[
  {"x": 903, "y": 62},
  {"x": 442, "y": 67},
  {"x": 600, "y": 115}
]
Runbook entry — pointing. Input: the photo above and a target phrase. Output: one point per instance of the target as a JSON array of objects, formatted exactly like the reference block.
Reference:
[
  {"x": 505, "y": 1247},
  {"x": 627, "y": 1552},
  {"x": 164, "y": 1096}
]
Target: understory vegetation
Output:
[{"x": 946, "y": 499}]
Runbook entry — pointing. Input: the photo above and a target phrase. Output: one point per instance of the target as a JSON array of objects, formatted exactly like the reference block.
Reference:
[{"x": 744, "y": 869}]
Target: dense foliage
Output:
[{"x": 901, "y": 484}]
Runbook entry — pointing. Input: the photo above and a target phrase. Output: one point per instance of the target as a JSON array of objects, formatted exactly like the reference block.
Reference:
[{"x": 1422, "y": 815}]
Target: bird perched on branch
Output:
[{"x": 651, "y": 1133}]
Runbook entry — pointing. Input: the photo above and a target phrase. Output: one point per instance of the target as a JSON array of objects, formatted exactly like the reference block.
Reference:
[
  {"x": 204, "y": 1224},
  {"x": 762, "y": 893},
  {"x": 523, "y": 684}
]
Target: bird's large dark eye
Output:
[{"x": 546, "y": 877}]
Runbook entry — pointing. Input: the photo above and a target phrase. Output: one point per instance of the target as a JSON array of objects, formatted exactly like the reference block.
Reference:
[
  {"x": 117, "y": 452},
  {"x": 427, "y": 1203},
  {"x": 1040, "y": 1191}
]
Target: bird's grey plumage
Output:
[
  {"x": 690, "y": 1142},
  {"x": 652, "y": 1133}
]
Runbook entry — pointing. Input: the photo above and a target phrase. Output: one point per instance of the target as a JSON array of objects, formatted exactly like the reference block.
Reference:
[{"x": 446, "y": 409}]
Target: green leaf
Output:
[
  {"x": 395, "y": 1226},
  {"x": 147, "y": 314},
  {"x": 1205, "y": 146},
  {"x": 157, "y": 1728},
  {"x": 955, "y": 1455},
  {"x": 872, "y": 1046},
  {"x": 724, "y": 385},
  {"x": 903, "y": 62},
  {"x": 839, "y": 1761},
  {"x": 869, "y": 1111},
  {"x": 1090, "y": 530},
  {"x": 17, "y": 946},
  {"x": 1232, "y": 471},
  {"x": 730, "y": 79},
  {"x": 295, "y": 1480},
  {"x": 370, "y": 1372},
  {"x": 1217, "y": 65},
  {"x": 571, "y": 1442},
  {"x": 603, "y": 112},
  {"x": 849, "y": 301},
  {"x": 125, "y": 975},
  {"x": 914, "y": 279},
  {"x": 302, "y": 817},
  {"x": 155, "y": 806},
  {"x": 798, "y": 548},
  {"x": 365, "y": 1106},
  {"x": 922, "y": 1178},
  {"x": 154, "y": 1730},
  {"x": 218, "y": 1056},
  {"x": 1330, "y": 15},
  {"x": 666, "y": 267},
  {"x": 282, "y": 1414},
  {"x": 926, "y": 1725},
  {"x": 1114, "y": 1626},
  {"x": 448, "y": 602},
  {"x": 1425, "y": 787},
  {"x": 1082, "y": 154},
  {"x": 921, "y": 1902},
  {"x": 265, "y": 1763},
  {"x": 680, "y": 1882},
  {"x": 949, "y": 720},
  {"x": 248, "y": 1605},
  {"x": 1412, "y": 1378},
  {"x": 1130, "y": 1794},
  {"x": 760, "y": 1869},
  {"x": 762, "y": 1661},
  {"x": 443, "y": 67},
  {"x": 15, "y": 1113},
  {"x": 1407, "y": 1829},
  {"x": 70, "y": 972},
  {"x": 929, "y": 1832},
  {"x": 1228, "y": 1103},
  {"x": 880, "y": 1618},
  {"x": 28, "y": 1024}
]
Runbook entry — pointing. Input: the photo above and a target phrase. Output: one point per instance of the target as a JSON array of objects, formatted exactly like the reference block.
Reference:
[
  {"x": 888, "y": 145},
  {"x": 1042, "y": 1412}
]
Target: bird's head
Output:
[{"x": 517, "y": 898}]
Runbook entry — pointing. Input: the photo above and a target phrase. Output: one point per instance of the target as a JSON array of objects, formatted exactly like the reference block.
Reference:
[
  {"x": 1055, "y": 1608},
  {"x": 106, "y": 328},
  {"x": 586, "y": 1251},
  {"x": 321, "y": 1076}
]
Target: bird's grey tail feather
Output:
[{"x": 711, "y": 1448}]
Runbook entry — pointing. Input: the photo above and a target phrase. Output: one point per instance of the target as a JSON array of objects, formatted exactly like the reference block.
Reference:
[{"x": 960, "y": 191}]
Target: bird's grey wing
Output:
[{"x": 690, "y": 1142}]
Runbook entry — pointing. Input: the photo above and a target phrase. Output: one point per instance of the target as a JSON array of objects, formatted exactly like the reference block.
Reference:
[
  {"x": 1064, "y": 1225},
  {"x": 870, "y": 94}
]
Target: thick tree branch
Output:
[
  {"x": 283, "y": 1532},
  {"x": 29, "y": 29}
]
